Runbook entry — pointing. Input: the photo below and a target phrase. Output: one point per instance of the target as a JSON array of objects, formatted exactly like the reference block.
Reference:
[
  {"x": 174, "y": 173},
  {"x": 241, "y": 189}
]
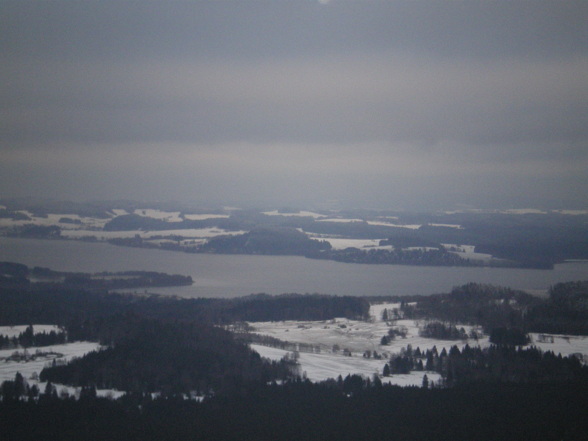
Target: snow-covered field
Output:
[
  {"x": 320, "y": 367},
  {"x": 457, "y": 227},
  {"x": 205, "y": 216},
  {"x": 30, "y": 362},
  {"x": 378, "y": 223},
  {"x": 332, "y": 339},
  {"x": 338, "y": 243},
  {"x": 90, "y": 223},
  {"x": 388, "y": 224},
  {"x": 561, "y": 344},
  {"x": 572, "y": 212},
  {"x": 192, "y": 233},
  {"x": 340, "y": 220},
  {"x": 467, "y": 251},
  {"x": 79, "y": 227},
  {"x": 31, "y": 368},
  {"x": 523, "y": 211},
  {"x": 167, "y": 216},
  {"x": 297, "y": 214}
]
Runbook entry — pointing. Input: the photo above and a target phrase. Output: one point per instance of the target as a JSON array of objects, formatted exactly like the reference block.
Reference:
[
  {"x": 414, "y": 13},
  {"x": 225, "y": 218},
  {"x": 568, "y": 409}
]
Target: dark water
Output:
[{"x": 237, "y": 275}]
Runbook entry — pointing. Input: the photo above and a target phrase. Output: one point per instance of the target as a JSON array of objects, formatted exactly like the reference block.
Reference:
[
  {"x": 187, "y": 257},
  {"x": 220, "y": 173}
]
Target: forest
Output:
[
  {"x": 346, "y": 410},
  {"x": 163, "y": 350},
  {"x": 564, "y": 311},
  {"x": 17, "y": 274}
]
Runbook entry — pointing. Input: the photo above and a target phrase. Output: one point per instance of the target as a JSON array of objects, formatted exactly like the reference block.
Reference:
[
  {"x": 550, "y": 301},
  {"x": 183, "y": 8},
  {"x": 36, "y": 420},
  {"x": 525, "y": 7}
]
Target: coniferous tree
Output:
[
  {"x": 20, "y": 385},
  {"x": 425, "y": 382}
]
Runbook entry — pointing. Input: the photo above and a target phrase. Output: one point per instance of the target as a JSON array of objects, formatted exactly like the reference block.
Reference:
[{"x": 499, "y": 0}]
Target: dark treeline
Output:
[
  {"x": 433, "y": 257},
  {"x": 16, "y": 274},
  {"x": 260, "y": 240},
  {"x": 125, "y": 280},
  {"x": 477, "y": 304},
  {"x": 130, "y": 222},
  {"x": 350, "y": 409},
  {"x": 14, "y": 215},
  {"x": 145, "y": 355},
  {"x": 34, "y": 231},
  {"x": 29, "y": 338},
  {"x": 75, "y": 309},
  {"x": 13, "y": 274},
  {"x": 443, "y": 331},
  {"x": 494, "y": 364},
  {"x": 565, "y": 311},
  {"x": 276, "y": 240}
]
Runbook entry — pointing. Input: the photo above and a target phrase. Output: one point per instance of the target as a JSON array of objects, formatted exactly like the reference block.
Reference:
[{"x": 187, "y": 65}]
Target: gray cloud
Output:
[{"x": 411, "y": 102}]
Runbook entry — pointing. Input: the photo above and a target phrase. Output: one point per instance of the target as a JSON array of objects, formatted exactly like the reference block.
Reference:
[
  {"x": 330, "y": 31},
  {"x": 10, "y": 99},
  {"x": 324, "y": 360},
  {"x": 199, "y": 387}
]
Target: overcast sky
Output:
[{"x": 378, "y": 104}]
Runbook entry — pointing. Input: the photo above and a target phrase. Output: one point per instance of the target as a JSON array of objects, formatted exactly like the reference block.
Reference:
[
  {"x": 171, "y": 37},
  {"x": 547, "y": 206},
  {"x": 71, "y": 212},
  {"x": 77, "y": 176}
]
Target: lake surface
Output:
[{"x": 238, "y": 275}]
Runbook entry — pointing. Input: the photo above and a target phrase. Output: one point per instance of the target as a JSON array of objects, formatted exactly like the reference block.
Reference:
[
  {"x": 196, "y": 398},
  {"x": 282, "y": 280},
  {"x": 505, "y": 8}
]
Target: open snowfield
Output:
[
  {"x": 205, "y": 216},
  {"x": 354, "y": 335},
  {"x": 561, "y": 344},
  {"x": 572, "y": 212},
  {"x": 377, "y": 223},
  {"x": 523, "y": 211},
  {"x": 320, "y": 367},
  {"x": 340, "y": 220},
  {"x": 192, "y": 233},
  {"x": 338, "y": 243},
  {"x": 298, "y": 214},
  {"x": 89, "y": 223},
  {"x": 168, "y": 216},
  {"x": 388, "y": 224},
  {"x": 457, "y": 227},
  {"x": 33, "y": 367},
  {"x": 331, "y": 338},
  {"x": 85, "y": 224},
  {"x": 33, "y": 361},
  {"x": 467, "y": 252}
]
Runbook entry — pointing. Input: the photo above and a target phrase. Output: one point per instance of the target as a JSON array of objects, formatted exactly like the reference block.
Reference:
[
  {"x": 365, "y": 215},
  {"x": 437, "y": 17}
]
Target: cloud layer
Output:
[{"x": 379, "y": 104}]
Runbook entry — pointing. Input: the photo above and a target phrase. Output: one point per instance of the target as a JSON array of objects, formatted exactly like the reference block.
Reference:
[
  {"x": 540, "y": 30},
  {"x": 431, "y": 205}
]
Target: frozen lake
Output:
[{"x": 238, "y": 275}]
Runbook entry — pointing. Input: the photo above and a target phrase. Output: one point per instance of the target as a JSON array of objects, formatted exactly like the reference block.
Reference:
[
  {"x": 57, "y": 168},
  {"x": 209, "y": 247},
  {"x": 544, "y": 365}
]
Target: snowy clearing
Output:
[
  {"x": 561, "y": 344},
  {"x": 339, "y": 345},
  {"x": 168, "y": 216},
  {"x": 53, "y": 220},
  {"x": 457, "y": 227},
  {"x": 297, "y": 214},
  {"x": 205, "y": 216},
  {"x": 341, "y": 244},
  {"x": 340, "y": 220},
  {"x": 523, "y": 211},
  {"x": 387, "y": 224},
  {"x": 467, "y": 252},
  {"x": 31, "y": 361},
  {"x": 320, "y": 367},
  {"x": 35, "y": 364},
  {"x": 192, "y": 233},
  {"x": 572, "y": 212}
]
